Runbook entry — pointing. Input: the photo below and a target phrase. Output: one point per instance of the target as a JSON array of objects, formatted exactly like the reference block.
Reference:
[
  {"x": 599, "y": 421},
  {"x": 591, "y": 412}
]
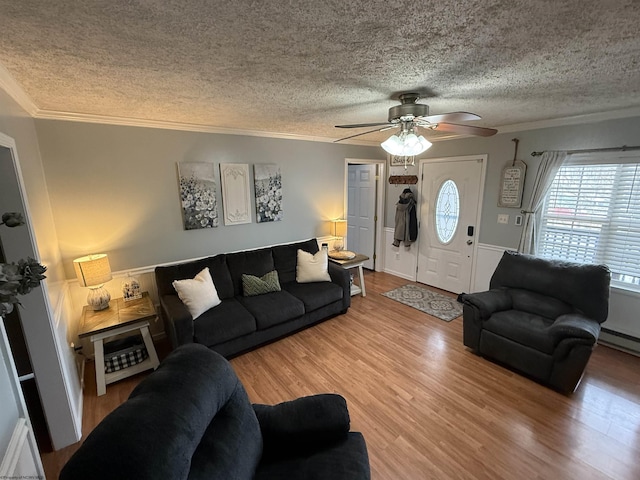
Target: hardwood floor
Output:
[{"x": 428, "y": 407}]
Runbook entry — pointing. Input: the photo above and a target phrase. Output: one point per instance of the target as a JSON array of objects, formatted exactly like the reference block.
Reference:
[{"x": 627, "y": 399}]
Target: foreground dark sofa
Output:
[
  {"x": 191, "y": 418},
  {"x": 541, "y": 317},
  {"x": 242, "y": 323}
]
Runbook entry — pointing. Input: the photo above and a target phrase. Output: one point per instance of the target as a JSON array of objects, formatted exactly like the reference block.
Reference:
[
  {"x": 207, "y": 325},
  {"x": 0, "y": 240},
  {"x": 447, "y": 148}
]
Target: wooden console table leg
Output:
[
  {"x": 98, "y": 348},
  {"x": 151, "y": 350},
  {"x": 361, "y": 276}
]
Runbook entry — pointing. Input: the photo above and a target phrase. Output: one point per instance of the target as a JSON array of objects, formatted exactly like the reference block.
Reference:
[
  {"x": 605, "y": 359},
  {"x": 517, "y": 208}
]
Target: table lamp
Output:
[
  {"x": 93, "y": 271},
  {"x": 338, "y": 230}
]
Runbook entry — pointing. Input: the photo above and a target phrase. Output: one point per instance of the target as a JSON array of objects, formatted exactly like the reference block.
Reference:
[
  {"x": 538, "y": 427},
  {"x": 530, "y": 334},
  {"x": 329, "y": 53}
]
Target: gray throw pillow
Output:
[{"x": 252, "y": 285}]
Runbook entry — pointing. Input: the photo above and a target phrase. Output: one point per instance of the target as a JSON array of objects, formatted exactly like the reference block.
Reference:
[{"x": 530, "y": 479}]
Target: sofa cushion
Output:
[
  {"x": 346, "y": 459},
  {"x": 285, "y": 258},
  {"x": 252, "y": 285},
  {"x": 251, "y": 262},
  {"x": 273, "y": 308},
  {"x": 199, "y": 294},
  {"x": 522, "y": 327},
  {"x": 315, "y": 295},
  {"x": 226, "y": 321},
  {"x": 543, "y": 305},
  {"x": 312, "y": 267}
]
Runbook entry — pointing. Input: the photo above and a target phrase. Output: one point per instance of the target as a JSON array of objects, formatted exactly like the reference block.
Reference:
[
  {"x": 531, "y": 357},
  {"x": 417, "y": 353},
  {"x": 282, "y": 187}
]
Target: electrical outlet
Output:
[
  {"x": 518, "y": 220},
  {"x": 503, "y": 218}
]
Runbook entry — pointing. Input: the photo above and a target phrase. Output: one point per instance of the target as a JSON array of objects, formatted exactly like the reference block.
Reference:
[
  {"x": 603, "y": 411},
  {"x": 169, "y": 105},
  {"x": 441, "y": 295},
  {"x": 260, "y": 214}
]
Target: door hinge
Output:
[
  {"x": 375, "y": 218},
  {"x": 375, "y": 256}
]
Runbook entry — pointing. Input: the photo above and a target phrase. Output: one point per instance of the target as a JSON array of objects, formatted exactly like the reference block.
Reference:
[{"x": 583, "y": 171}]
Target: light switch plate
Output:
[{"x": 503, "y": 218}]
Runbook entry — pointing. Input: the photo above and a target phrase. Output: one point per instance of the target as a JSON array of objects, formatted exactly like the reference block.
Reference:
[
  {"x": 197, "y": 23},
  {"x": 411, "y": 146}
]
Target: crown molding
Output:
[
  {"x": 190, "y": 127},
  {"x": 15, "y": 91},
  {"x": 573, "y": 120}
]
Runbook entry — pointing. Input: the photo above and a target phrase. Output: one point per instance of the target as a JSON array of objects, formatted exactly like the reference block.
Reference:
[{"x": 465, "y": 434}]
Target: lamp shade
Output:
[
  {"x": 406, "y": 144},
  {"x": 339, "y": 228},
  {"x": 92, "y": 270}
]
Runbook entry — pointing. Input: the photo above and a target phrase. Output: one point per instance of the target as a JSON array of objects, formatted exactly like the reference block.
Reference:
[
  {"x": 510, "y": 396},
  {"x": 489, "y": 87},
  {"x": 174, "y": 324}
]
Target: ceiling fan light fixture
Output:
[{"x": 406, "y": 144}]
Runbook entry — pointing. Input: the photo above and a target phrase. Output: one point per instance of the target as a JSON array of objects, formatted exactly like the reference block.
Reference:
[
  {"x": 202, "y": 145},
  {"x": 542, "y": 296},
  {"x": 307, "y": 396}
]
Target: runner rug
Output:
[{"x": 427, "y": 301}]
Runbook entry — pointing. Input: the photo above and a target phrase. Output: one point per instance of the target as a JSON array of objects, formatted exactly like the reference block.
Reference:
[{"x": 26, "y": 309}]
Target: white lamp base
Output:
[{"x": 98, "y": 298}]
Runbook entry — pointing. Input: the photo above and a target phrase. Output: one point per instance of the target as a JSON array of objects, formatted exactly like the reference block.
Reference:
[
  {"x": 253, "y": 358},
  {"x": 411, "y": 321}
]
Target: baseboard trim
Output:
[{"x": 620, "y": 341}]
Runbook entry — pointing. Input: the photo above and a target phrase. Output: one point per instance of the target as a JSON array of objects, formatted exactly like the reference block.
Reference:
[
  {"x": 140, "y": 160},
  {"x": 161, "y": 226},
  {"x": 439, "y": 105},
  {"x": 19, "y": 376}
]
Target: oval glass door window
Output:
[{"x": 447, "y": 211}]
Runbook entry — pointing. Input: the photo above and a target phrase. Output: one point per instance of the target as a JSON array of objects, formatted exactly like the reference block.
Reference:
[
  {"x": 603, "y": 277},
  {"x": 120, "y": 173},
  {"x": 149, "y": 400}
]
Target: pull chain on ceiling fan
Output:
[{"x": 409, "y": 116}]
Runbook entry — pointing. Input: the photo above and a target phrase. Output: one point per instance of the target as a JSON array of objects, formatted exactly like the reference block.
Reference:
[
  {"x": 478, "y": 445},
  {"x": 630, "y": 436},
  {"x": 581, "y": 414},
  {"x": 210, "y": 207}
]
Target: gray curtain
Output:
[{"x": 549, "y": 165}]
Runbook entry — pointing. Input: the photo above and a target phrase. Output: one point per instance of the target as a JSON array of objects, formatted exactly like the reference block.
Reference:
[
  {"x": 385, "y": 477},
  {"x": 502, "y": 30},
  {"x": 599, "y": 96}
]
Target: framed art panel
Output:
[
  {"x": 198, "y": 195},
  {"x": 268, "y": 188},
  {"x": 236, "y": 196}
]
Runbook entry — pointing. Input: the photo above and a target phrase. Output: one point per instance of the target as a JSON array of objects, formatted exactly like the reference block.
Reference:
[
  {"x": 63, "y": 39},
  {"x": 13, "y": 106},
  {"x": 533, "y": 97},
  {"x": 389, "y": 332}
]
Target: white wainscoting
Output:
[
  {"x": 21, "y": 460},
  {"x": 487, "y": 259},
  {"x": 399, "y": 261}
]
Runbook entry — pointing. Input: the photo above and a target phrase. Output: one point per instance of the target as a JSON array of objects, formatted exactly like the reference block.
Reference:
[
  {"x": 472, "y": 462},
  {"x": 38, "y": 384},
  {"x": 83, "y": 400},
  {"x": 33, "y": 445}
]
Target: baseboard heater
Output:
[{"x": 620, "y": 341}]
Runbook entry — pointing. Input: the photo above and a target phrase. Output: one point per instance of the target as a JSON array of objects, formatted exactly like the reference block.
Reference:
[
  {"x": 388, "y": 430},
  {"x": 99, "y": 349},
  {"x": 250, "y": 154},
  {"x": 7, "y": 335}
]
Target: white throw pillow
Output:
[
  {"x": 312, "y": 268},
  {"x": 199, "y": 294}
]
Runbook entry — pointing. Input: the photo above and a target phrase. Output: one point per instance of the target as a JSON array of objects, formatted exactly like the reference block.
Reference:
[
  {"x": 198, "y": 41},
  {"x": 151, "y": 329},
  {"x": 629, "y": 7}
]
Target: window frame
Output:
[{"x": 587, "y": 159}]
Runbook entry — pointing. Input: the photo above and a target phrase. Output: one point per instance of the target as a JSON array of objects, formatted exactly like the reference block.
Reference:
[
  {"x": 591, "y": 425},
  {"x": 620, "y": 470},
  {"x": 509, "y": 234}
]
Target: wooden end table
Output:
[
  {"x": 121, "y": 317},
  {"x": 355, "y": 262}
]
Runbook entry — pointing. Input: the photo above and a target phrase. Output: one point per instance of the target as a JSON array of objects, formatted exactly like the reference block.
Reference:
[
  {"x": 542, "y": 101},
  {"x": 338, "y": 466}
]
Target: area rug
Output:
[{"x": 427, "y": 301}]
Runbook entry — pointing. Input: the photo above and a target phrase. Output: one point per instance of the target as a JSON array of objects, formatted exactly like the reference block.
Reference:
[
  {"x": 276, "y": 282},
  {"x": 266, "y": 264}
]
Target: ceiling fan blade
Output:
[
  {"x": 386, "y": 127},
  {"x": 465, "y": 129},
  {"x": 362, "y": 125},
  {"x": 450, "y": 117}
]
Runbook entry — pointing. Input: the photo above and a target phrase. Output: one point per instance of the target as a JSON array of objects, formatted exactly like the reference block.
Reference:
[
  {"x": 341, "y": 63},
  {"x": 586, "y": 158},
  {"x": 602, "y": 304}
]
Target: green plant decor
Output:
[{"x": 17, "y": 278}]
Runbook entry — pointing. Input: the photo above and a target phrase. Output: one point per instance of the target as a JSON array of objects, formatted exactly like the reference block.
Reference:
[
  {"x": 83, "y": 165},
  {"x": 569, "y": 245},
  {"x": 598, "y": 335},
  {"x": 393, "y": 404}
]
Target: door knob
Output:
[{"x": 469, "y": 242}]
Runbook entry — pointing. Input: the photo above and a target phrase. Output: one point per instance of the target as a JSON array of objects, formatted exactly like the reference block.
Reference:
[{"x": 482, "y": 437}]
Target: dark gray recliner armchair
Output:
[{"x": 541, "y": 317}]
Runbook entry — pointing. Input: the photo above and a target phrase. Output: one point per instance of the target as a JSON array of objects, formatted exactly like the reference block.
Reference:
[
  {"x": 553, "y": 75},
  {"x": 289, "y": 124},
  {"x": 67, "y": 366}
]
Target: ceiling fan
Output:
[{"x": 409, "y": 116}]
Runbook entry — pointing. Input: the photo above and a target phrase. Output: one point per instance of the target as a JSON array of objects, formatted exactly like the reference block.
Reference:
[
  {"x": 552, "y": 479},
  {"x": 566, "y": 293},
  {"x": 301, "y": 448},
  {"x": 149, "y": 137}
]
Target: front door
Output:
[
  {"x": 361, "y": 210},
  {"x": 449, "y": 206}
]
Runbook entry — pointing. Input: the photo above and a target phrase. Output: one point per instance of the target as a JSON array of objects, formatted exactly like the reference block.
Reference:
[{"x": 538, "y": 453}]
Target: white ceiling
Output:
[{"x": 297, "y": 68}]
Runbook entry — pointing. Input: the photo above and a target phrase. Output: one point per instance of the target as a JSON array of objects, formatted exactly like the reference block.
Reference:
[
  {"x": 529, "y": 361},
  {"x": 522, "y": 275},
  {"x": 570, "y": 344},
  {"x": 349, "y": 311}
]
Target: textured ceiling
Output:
[{"x": 300, "y": 67}]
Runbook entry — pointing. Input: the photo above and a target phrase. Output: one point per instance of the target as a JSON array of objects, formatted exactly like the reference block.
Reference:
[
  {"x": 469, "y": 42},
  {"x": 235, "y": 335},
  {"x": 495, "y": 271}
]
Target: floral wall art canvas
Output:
[
  {"x": 268, "y": 190},
  {"x": 198, "y": 195}
]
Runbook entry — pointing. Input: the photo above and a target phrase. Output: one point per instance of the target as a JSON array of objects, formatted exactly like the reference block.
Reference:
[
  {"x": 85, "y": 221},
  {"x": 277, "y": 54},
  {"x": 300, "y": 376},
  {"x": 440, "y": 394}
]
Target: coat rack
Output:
[{"x": 403, "y": 179}]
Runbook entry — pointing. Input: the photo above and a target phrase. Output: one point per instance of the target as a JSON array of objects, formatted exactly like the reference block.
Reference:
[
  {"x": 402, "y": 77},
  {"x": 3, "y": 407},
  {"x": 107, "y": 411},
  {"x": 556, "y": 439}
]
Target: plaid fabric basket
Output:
[{"x": 128, "y": 353}]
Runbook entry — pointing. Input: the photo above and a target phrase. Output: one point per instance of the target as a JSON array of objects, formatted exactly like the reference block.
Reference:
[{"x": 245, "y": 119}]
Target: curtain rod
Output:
[{"x": 623, "y": 148}]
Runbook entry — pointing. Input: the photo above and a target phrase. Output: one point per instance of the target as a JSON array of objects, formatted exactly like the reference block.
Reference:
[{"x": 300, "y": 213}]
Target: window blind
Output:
[{"x": 592, "y": 215}]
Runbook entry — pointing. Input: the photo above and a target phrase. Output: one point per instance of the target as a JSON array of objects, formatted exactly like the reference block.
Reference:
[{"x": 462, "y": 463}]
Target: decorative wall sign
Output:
[
  {"x": 236, "y": 196},
  {"x": 198, "y": 195},
  {"x": 401, "y": 161},
  {"x": 268, "y": 187},
  {"x": 512, "y": 184},
  {"x": 512, "y": 181}
]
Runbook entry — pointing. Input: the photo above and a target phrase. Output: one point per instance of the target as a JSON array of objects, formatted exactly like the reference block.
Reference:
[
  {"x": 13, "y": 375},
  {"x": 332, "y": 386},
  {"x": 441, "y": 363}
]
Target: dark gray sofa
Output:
[
  {"x": 541, "y": 317},
  {"x": 242, "y": 323},
  {"x": 191, "y": 418}
]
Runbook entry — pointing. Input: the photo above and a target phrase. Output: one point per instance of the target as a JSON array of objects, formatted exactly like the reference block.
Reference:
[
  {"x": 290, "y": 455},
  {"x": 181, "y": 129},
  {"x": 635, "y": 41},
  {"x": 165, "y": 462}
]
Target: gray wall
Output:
[
  {"x": 612, "y": 133},
  {"x": 114, "y": 190}
]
